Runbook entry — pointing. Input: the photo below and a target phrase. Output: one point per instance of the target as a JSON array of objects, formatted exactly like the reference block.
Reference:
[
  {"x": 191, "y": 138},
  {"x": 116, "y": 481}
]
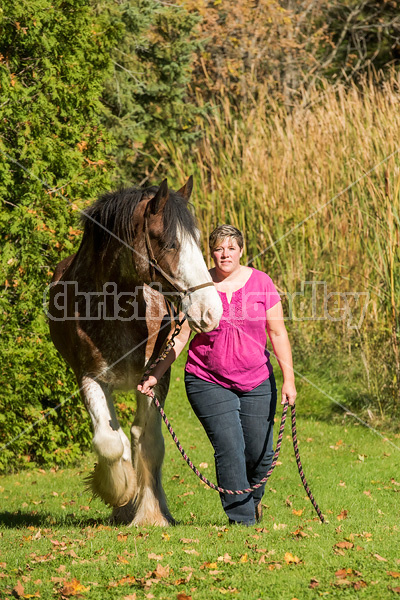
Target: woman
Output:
[{"x": 228, "y": 376}]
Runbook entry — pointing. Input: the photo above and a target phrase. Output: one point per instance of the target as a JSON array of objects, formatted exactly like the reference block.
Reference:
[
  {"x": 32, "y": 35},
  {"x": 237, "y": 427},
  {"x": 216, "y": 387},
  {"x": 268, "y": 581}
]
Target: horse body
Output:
[{"x": 109, "y": 323}]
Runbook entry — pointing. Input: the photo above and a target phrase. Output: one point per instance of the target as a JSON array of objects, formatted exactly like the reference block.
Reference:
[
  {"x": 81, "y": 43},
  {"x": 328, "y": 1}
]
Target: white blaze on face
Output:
[{"x": 202, "y": 307}]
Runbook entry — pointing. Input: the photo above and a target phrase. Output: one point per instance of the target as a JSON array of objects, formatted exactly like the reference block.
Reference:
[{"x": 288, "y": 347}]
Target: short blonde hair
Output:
[{"x": 222, "y": 232}]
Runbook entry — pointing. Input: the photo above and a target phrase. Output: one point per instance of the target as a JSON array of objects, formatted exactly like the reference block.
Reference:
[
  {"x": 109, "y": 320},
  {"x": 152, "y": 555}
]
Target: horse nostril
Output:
[{"x": 209, "y": 317}]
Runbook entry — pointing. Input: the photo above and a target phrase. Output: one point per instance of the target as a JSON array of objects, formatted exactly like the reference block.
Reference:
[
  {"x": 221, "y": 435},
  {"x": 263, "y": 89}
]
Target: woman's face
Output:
[{"x": 226, "y": 256}]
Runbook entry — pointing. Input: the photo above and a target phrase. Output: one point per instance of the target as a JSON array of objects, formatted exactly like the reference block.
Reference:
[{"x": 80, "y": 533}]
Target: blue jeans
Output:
[{"x": 239, "y": 426}]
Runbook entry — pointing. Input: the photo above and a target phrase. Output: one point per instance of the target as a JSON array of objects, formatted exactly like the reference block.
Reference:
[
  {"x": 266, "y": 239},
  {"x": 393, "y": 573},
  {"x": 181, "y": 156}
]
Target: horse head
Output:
[{"x": 170, "y": 240}]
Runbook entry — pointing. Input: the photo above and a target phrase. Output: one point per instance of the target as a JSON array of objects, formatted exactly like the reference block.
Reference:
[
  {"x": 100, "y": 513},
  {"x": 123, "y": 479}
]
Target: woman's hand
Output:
[
  {"x": 146, "y": 387},
  {"x": 288, "y": 393}
]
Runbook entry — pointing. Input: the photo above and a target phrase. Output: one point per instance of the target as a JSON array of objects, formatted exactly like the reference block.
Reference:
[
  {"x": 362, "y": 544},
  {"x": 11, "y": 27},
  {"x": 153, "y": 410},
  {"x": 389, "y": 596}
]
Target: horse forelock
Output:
[{"x": 113, "y": 215}]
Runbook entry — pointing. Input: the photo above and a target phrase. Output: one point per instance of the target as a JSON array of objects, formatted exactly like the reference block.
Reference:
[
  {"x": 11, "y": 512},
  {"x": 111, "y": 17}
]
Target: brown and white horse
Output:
[{"x": 109, "y": 324}]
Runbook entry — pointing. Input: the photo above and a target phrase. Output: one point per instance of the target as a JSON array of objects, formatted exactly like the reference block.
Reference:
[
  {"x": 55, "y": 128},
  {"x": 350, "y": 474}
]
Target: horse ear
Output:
[
  {"x": 186, "y": 190},
  {"x": 158, "y": 202}
]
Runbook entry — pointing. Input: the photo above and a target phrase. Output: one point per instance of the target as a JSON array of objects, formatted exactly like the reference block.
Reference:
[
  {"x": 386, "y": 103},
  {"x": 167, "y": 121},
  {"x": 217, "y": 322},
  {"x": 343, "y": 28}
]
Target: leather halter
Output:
[{"x": 182, "y": 293}]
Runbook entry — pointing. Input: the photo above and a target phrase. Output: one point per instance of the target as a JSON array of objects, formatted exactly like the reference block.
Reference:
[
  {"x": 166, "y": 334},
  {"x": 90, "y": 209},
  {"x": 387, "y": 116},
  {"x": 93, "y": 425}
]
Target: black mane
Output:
[{"x": 112, "y": 214}]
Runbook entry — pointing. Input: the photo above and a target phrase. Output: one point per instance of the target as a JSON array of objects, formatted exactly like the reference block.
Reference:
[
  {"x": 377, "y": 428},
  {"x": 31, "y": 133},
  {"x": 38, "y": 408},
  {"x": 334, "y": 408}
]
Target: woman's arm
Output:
[
  {"x": 180, "y": 342},
  {"x": 282, "y": 350}
]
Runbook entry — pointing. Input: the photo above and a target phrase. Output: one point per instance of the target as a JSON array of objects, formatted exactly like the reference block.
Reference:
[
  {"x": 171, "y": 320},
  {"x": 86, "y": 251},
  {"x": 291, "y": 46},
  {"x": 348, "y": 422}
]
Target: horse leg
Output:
[
  {"x": 150, "y": 505},
  {"x": 113, "y": 478}
]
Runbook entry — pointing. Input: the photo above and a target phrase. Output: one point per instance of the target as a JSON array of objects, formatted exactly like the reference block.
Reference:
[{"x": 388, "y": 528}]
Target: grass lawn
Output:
[{"x": 56, "y": 542}]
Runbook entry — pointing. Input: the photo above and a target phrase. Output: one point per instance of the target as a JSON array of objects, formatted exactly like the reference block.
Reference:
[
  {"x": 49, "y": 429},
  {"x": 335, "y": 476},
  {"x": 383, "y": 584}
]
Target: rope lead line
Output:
[{"x": 274, "y": 461}]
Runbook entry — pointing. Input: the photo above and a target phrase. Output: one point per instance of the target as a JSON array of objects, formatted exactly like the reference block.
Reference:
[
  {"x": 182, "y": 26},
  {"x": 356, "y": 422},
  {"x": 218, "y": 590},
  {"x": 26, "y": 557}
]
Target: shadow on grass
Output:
[{"x": 20, "y": 519}]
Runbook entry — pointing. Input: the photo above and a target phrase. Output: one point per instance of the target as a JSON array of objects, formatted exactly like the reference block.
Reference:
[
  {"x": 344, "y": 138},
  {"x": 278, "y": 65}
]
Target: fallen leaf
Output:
[
  {"x": 208, "y": 565},
  {"x": 345, "y": 545},
  {"x": 298, "y": 513},
  {"x": 130, "y": 597},
  {"x": 189, "y": 541},
  {"x": 153, "y": 556},
  {"x": 18, "y": 590},
  {"x": 343, "y": 582},
  {"x": 183, "y": 579},
  {"x": 357, "y": 585},
  {"x": 165, "y": 537},
  {"x": 244, "y": 558},
  {"x": 394, "y": 574},
  {"x": 203, "y": 465},
  {"x": 396, "y": 590},
  {"x": 183, "y": 596},
  {"x": 160, "y": 572},
  {"x": 127, "y": 579},
  {"x": 343, "y": 573},
  {"x": 192, "y": 551},
  {"x": 73, "y": 588},
  {"x": 226, "y": 559},
  {"x": 342, "y": 515},
  {"x": 313, "y": 583},
  {"x": 121, "y": 537},
  {"x": 290, "y": 559},
  {"x": 380, "y": 558},
  {"x": 61, "y": 569},
  {"x": 279, "y": 526}
]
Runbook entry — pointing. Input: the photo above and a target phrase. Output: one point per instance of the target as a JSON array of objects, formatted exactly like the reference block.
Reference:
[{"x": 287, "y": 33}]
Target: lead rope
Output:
[{"x": 170, "y": 344}]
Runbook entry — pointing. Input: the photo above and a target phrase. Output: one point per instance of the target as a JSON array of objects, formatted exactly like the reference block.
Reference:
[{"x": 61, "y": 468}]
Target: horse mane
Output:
[{"x": 113, "y": 212}]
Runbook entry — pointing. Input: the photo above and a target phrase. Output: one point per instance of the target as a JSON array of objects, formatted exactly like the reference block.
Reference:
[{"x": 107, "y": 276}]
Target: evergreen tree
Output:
[
  {"x": 148, "y": 93},
  {"x": 54, "y": 59}
]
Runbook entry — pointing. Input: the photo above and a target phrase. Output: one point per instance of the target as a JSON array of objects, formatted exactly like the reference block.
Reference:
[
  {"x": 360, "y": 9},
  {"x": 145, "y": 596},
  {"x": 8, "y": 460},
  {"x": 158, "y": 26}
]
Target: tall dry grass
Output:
[{"x": 317, "y": 193}]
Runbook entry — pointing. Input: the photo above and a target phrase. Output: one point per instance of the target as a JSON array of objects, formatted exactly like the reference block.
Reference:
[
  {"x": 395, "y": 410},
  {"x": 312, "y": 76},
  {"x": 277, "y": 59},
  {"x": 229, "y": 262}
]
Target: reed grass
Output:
[{"x": 317, "y": 193}]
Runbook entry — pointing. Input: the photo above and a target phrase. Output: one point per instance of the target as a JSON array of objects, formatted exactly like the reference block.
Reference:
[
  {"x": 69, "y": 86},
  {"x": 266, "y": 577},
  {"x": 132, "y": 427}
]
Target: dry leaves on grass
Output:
[
  {"x": 209, "y": 565},
  {"x": 161, "y": 572},
  {"x": 347, "y": 578},
  {"x": 18, "y": 590},
  {"x": 183, "y": 580},
  {"x": 343, "y": 515},
  {"x": 128, "y": 579},
  {"x": 226, "y": 559},
  {"x": 340, "y": 547},
  {"x": 299, "y": 533},
  {"x": 228, "y": 590},
  {"x": 290, "y": 559},
  {"x": 73, "y": 588},
  {"x": 153, "y": 556},
  {"x": 380, "y": 558}
]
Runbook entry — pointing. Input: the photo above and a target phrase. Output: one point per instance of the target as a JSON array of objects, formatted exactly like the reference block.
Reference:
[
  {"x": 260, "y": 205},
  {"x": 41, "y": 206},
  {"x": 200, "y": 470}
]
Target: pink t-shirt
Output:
[{"x": 234, "y": 355}]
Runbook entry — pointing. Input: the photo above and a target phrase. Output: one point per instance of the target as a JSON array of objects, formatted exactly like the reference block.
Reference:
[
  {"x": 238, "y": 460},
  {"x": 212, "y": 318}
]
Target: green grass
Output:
[{"x": 51, "y": 532}]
